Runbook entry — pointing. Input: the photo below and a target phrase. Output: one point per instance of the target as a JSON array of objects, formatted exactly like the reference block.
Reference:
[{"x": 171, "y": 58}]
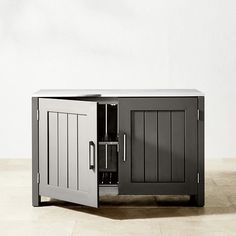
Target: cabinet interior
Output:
[{"x": 107, "y": 145}]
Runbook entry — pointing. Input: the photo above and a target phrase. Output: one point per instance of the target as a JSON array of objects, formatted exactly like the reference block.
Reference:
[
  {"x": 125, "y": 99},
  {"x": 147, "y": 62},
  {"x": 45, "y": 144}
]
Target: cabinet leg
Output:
[
  {"x": 36, "y": 200},
  {"x": 197, "y": 200}
]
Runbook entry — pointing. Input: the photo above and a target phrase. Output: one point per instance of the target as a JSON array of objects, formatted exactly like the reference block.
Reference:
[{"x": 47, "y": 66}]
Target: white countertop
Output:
[{"x": 118, "y": 93}]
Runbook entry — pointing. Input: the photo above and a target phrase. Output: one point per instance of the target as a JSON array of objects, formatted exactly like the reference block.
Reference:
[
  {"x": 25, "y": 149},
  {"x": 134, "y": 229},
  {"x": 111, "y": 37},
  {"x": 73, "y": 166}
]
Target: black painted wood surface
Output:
[{"x": 161, "y": 146}]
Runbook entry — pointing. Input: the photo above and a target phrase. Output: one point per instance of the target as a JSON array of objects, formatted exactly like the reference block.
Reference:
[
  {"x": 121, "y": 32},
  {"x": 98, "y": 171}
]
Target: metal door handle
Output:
[
  {"x": 124, "y": 157},
  {"x": 91, "y": 155}
]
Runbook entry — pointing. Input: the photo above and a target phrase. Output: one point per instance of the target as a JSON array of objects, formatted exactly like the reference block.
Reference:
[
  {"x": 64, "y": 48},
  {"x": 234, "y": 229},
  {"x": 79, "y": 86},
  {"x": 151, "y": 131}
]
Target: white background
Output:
[{"x": 117, "y": 44}]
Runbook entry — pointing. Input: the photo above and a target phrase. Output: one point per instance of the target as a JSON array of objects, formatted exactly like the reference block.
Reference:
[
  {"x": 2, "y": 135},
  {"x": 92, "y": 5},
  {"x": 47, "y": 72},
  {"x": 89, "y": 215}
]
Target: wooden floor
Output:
[{"x": 122, "y": 216}]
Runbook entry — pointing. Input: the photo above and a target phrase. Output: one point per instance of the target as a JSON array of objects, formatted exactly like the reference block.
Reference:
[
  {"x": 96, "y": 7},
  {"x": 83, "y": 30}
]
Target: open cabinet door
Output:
[{"x": 68, "y": 150}]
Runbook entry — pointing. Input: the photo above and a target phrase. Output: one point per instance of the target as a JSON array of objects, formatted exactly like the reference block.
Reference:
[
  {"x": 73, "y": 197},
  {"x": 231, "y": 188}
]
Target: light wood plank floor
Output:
[{"x": 121, "y": 216}]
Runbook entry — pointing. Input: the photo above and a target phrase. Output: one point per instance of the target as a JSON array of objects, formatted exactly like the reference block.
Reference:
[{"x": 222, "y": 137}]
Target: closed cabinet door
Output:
[
  {"x": 68, "y": 150},
  {"x": 158, "y": 146}
]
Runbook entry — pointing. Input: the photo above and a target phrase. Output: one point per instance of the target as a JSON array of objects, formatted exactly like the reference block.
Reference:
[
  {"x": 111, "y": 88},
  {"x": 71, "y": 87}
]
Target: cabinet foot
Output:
[
  {"x": 36, "y": 201},
  {"x": 197, "y": 200}
]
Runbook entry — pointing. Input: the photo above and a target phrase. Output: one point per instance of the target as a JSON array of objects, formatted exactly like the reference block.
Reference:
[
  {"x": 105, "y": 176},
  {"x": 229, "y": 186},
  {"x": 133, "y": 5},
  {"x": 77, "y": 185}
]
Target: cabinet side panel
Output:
[
  {"x": 164, "y": 146},
  {"x": 35, "y": 153},
  {"x": 52, "y": 149},
  {"x": 201, "y": 152},
  {"x": 178, "y": 146},
  {"x": 137, "y": 146},
  {"x": 62, "y": 149},
  {"x": 151, "y": 146}
]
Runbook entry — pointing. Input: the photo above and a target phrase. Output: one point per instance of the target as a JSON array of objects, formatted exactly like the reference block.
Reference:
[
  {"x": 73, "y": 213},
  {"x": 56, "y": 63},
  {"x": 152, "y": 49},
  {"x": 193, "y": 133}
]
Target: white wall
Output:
[{"x": 117, "y": 44}]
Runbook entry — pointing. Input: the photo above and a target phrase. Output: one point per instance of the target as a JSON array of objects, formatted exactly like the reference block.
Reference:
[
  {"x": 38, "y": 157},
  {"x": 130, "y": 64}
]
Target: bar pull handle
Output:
[
  {"x": 91, "y": 155},
  {"x": 124, "y": 156}
]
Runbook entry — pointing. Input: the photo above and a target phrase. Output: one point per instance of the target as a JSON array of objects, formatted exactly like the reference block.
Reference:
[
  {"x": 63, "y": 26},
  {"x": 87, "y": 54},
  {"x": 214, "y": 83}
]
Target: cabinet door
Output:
[
  {"x": 68, "y": 150},
  {"x": 158, "y": 146}
]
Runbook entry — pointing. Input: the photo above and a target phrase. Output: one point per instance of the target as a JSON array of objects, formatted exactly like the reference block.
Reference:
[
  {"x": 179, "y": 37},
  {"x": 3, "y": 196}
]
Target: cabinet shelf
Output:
[
  {"x": 108, "y": 143},
  {"x": 108, "y": 185}
]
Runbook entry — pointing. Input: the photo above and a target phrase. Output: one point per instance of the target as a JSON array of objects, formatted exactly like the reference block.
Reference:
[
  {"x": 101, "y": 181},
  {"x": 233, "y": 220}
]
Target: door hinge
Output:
[
  {"x": 37, "y": 114},
  {"x": 38, "y": 178},
  {"x": 198, "y": 114},
  {"x": 198, "y": 178}
]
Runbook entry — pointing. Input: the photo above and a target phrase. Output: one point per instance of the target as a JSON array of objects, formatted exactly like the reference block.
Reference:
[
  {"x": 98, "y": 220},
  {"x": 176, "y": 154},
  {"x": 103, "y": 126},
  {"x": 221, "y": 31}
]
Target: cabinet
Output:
[{"x": 92, "y": 142}]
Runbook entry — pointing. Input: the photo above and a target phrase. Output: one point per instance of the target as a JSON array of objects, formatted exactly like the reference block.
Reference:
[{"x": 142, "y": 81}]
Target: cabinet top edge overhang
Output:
[{"x": 118, "y": 93}]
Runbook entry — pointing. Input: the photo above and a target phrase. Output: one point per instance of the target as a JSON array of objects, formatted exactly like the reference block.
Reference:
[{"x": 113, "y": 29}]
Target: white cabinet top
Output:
[{"x": 118, "y": 93}]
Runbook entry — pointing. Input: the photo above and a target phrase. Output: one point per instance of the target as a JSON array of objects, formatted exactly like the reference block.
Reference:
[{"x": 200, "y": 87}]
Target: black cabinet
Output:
[{"x": 147, "y": 142}]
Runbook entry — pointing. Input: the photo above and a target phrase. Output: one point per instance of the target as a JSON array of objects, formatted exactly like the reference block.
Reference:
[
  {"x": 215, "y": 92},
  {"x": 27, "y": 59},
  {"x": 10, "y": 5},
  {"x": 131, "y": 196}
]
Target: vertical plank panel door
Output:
[
  {"x": 159, "y": 152},
  {"x": 68, "y": 150}
]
